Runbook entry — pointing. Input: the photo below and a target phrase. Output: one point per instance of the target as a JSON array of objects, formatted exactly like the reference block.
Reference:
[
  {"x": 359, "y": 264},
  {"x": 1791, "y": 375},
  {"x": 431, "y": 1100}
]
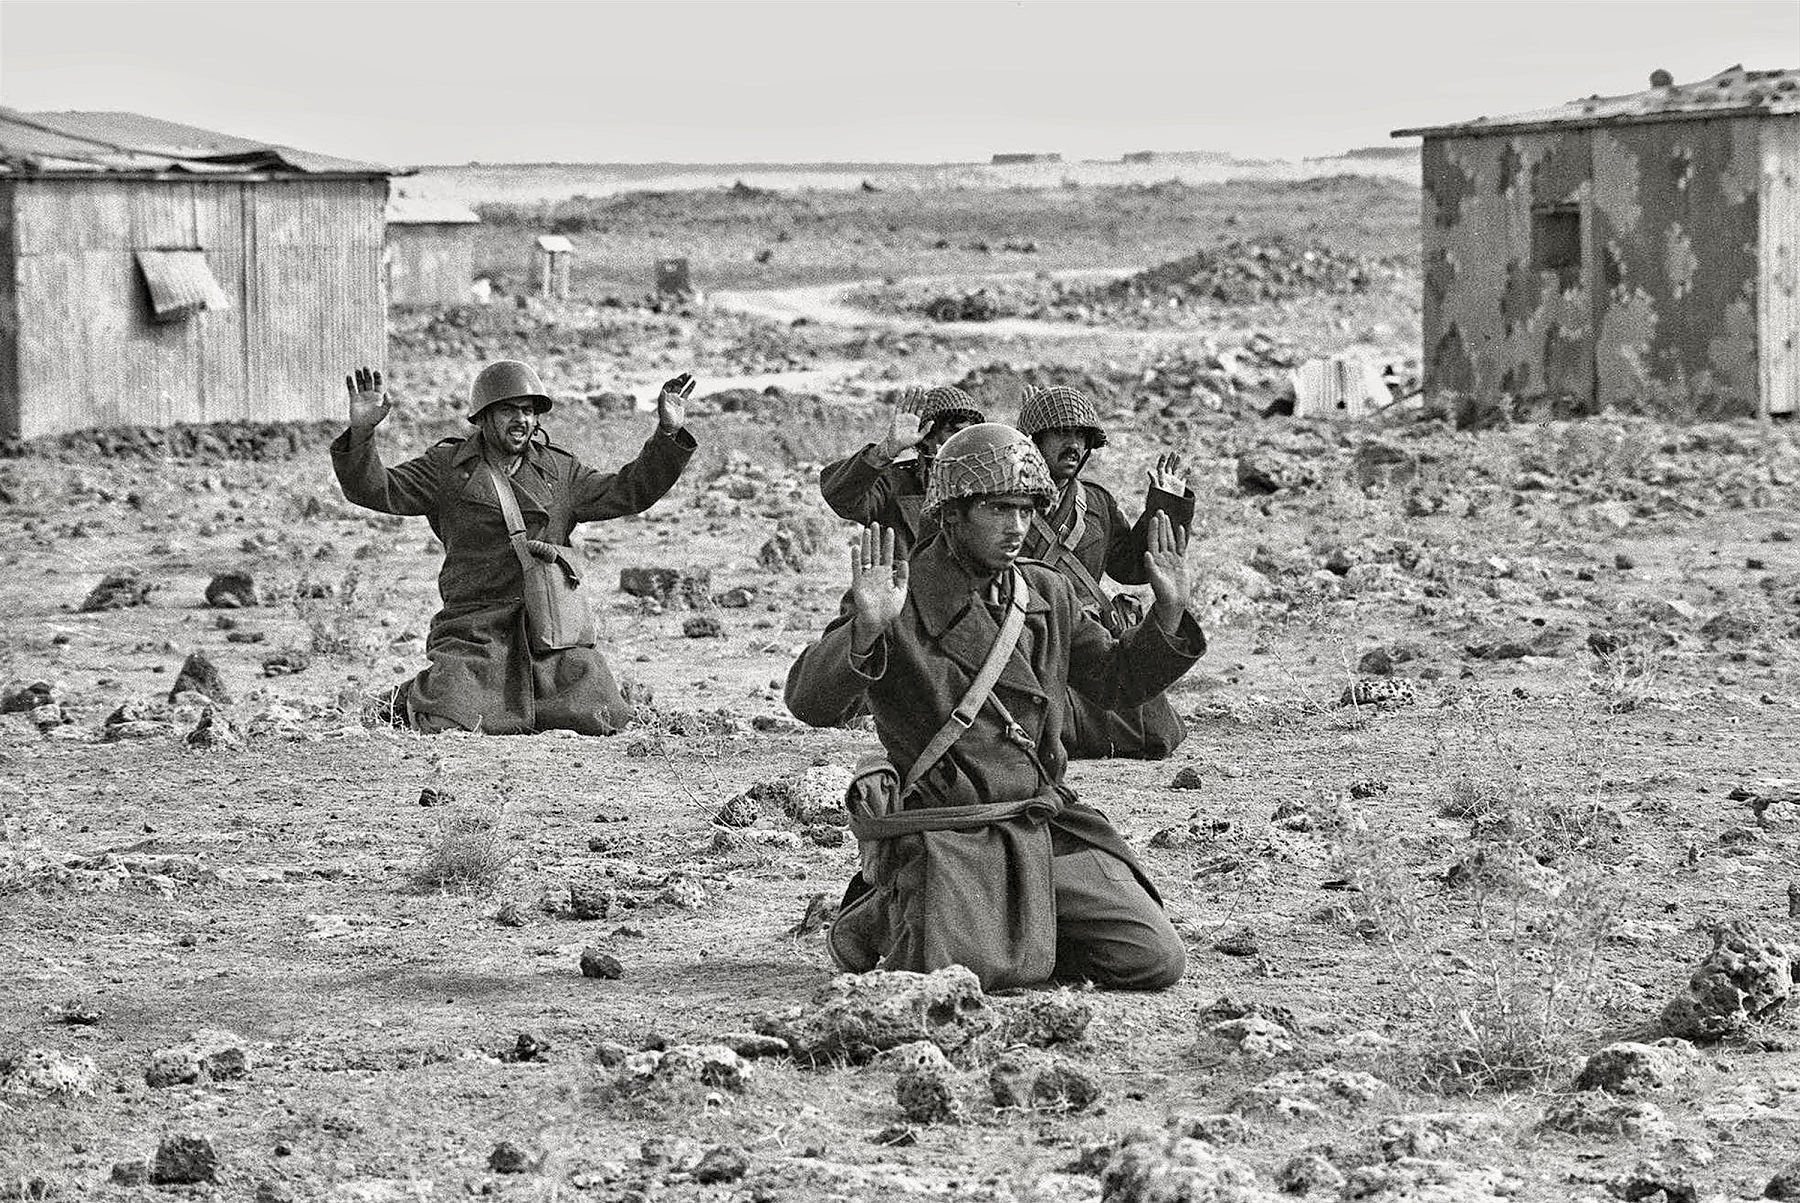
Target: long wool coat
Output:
[
  {"x": 922, "y": 666},
  {"x": 862, "y": 491},
  {"x": 483, "y": 675},
  {"x": 1110, "y": 546}
]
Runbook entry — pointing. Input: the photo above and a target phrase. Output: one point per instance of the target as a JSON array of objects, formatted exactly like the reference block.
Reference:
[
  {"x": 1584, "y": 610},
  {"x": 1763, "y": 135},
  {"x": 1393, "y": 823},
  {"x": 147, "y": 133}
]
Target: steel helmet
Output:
[
  {"x": 985, "y": 460},
  {"x": 1060, "y": 408},
  {"x": 948, "y": 401},
  {"x": 506, "y": 380}
]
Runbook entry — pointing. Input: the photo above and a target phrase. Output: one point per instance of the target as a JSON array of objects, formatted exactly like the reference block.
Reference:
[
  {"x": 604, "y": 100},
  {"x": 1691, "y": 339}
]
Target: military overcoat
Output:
[
  {"x": 483, "y": 675},
  {"x": 863, "y": 490},
  {"x": 922, "y": 666}
]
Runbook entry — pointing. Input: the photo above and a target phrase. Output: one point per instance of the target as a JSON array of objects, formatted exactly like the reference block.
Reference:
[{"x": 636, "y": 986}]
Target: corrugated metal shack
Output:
[
  {"x": 153, "y": 273},
  {"x": 430, "y": 255},
  {"x": 1619, "y": 248}
]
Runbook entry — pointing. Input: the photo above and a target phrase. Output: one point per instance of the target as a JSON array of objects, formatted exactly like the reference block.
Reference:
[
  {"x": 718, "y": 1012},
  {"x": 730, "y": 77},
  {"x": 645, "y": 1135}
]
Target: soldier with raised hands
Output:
[
  {"x": 499, "y": 500},
  {"x": 974, "y": 849},
  {"x": 1085, "y": 537},
  {"x": 876, "y": 486}
]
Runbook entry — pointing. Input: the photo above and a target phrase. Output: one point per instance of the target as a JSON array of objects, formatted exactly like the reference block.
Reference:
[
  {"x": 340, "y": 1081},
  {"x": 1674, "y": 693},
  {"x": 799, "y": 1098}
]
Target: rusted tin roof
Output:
[
  {"x": 405, "y": 210},
  {"x": 129, "y": 143},
  {"x": 1732, "y": 92}
]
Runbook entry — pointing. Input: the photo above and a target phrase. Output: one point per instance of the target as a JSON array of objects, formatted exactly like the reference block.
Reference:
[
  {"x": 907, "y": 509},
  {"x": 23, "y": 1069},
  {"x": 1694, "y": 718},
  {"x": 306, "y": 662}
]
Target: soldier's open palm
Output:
[
  {"x": 877, "y": 579},
  {"x": 904, "y": 427},
  {"x": 1165, "y": 562},
  {"x": 369, "y": 404},
  {"x": 1167, "y": 474}
]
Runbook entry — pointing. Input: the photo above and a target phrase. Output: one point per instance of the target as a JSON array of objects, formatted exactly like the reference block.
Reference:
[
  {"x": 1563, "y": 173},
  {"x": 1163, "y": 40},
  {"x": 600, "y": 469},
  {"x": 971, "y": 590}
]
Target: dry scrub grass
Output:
[{"x": 466, "y": 854}]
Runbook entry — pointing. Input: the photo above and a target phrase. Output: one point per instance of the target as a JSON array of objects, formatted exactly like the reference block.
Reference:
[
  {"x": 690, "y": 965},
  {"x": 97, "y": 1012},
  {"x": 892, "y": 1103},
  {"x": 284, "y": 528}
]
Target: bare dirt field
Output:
[{"x": 1485, "y": 840}]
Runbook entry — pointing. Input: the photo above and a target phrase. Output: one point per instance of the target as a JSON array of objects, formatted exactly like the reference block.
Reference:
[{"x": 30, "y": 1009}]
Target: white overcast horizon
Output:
[{"x": 415, "y": 82}]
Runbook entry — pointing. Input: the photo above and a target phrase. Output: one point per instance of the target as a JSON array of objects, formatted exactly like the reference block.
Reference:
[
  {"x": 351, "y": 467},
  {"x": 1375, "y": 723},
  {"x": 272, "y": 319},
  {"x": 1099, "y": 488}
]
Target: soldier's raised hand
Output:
[
  {"x": 877, "y": 583},
  {"x": 369, "y": 404},
  {"x": 1165, "y": 564},
  {"x": 671, "y": 403},
  {"x": 905, "y": 427},
  {"x": 1167, "y": 474}
]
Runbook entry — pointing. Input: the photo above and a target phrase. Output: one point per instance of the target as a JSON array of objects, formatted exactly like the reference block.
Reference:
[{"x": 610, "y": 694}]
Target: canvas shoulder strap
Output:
[
  {"x": 963, "y": 717},
  {"x": 1065, "y": 560},
  {"x": 509, "y": 509}
]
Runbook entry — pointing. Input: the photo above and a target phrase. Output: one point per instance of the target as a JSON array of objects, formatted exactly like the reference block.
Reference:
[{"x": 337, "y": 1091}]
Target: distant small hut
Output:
[
  {"x": 1619, "y": 249},
  {"x": 551, "y": 261},
  {"x": 154, "y": 273},
  {"x": 1011, "y": 158},
  {"x": 429, "y": 258}
]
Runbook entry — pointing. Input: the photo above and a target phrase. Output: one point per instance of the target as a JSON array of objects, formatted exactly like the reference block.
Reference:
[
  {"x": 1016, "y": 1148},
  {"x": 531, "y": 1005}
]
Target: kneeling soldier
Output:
[
  {"x": 974, "y": 851},
  {"x": 1085, "y": 537},
  {"x": 875, "y": 485}
]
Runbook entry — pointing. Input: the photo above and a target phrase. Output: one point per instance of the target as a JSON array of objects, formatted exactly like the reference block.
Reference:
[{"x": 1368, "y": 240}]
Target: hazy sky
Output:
[{"x": 423, "y": 81}]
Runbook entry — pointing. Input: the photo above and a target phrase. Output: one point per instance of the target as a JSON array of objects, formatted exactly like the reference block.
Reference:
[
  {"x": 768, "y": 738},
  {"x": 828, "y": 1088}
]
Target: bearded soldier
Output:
[
  {"x": 974, "y": 850},
  {"x": 1085, "y": 537},
  {"x": 486, "y": 674},
  {"x": 875, "y": 485}
]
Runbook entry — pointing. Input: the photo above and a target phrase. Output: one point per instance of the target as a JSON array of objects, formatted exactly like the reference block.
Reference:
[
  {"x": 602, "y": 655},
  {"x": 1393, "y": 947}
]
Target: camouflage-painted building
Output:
[{"x": 1619, "y": 248}]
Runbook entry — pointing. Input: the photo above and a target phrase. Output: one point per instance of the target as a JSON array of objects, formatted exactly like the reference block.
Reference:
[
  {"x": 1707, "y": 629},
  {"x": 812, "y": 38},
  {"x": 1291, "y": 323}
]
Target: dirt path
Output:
[{"x": 826, "y": 305}]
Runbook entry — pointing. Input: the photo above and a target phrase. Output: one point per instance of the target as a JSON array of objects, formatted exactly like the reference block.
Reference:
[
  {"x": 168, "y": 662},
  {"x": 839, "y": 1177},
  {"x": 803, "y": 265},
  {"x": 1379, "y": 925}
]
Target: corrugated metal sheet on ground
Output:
[
  {"x": 1343, "y": 386},
  {"x": 181, "y": 283},
  {"x": 555, "y": 244}
]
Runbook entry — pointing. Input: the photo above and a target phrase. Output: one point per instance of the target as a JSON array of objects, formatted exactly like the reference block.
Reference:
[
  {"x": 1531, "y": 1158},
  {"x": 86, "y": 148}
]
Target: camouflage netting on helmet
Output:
[
  {"x": 947, "y": 400},
  {"x": 1060, "y": 408},
  {"x": 984, "y": 461}
]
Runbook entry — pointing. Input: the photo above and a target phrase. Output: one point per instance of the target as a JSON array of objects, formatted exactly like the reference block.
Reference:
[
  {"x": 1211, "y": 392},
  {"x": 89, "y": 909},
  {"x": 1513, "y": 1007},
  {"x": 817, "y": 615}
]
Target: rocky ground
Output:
[{"x": 1484, "y": 840}]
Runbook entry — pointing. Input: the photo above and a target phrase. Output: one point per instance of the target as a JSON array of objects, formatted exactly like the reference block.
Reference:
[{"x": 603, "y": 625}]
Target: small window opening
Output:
[
  {"x": 180, "y": 284},
  {"x": 1556, "y": 241}
]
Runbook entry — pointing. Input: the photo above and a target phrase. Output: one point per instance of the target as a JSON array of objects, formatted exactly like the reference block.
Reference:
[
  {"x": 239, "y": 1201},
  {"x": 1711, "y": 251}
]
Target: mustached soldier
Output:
[
  {"x": 1085, "y": 537},
  {"x": 875, "y": 486},
  {"x": 485, "y": 675},
  {"x": 974, "y": 850}
]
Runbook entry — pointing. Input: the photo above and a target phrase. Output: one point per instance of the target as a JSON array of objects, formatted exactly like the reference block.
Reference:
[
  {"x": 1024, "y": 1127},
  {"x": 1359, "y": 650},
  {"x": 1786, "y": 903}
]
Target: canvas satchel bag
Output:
[
  {"x": 956, "y": 885},
  {"x": 556, "y": 616}
]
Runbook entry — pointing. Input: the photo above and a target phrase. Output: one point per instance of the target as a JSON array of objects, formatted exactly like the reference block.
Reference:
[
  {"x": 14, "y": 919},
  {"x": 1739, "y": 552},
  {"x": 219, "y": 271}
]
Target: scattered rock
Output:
[
  {"x": 1240, "y": 943},
  {"x": 1785, "y": 1184},
  {"x": 725, "y": 1163},
  {"x": 1381, "y": 691},
  {"x": 792, "y": 546},
  {"x": 231, "y": 591},
  {"x": 1187, "y": 777},
  {"x": 1378, "y": 662},
  {"x": 738, "y": 598},
  {"x": 611, "y": 1053},
  {"x": 1651, "y": 1181},
  {"x": 1746, "y": 979},
  {"x": 1254, "y": 1035},
  {"x": 591, "y": 900},
  {"x": 741, "y": 811},
  {"x": 25, "y": 697},
  {"x": 287, "y": 662},
  {"x": 754, "y": 1046},
  {"x": 856, "y": 1016},
  {"x": 709, "y": 1064},
  {"x": 1598, "y": 1114},
  {"x": 46, "y": 1073},
  {"x": 135, "y": 1172},
  {"x": 600, "y": 964},
  {"x": 926, "y": 1086},
  {"x": 511, "y": 914},
  {"x": 1309, "y": 1172},
  {"x": 1308, "y": 1093},
  {"x": 1057, "y": 1017},
  {"x": 527, "y": 1047},
  {"x": 703, "y": 626},
  {"x": 684, "y": 893},
  {"x": 212, "y": 732},
  {"x": 1213, "y": 1128},
  {"x": 509, "y": 1158},
  {"x": 1417, "y": 1178},
  {"x": 199, "y": 675},
  {"x": 1631, "y": 1068},
  {"x": 1157, "y": 1166},
  {"x": 208, "y": 1056},
  {"x": 119, "y": 589},
  {"x": 1265, "y": 471},
  {"x": 184, "y": 1160},
  {"x": 1031, "y": 1081}
]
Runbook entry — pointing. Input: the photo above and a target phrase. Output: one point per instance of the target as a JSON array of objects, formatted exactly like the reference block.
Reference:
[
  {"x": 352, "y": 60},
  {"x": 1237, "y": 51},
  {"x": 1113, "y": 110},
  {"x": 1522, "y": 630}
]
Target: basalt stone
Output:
[
  {"x": 119, "y": 589},
  {"x": 1747, "y": 978},
  {"x": 185, "y": 1160},
  {"x": 231, "y": 591},
  {"x": 1030, "y": 1081},
  {"x": 199, "y": 675},
  {"x": 856, "y": 1016}
]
